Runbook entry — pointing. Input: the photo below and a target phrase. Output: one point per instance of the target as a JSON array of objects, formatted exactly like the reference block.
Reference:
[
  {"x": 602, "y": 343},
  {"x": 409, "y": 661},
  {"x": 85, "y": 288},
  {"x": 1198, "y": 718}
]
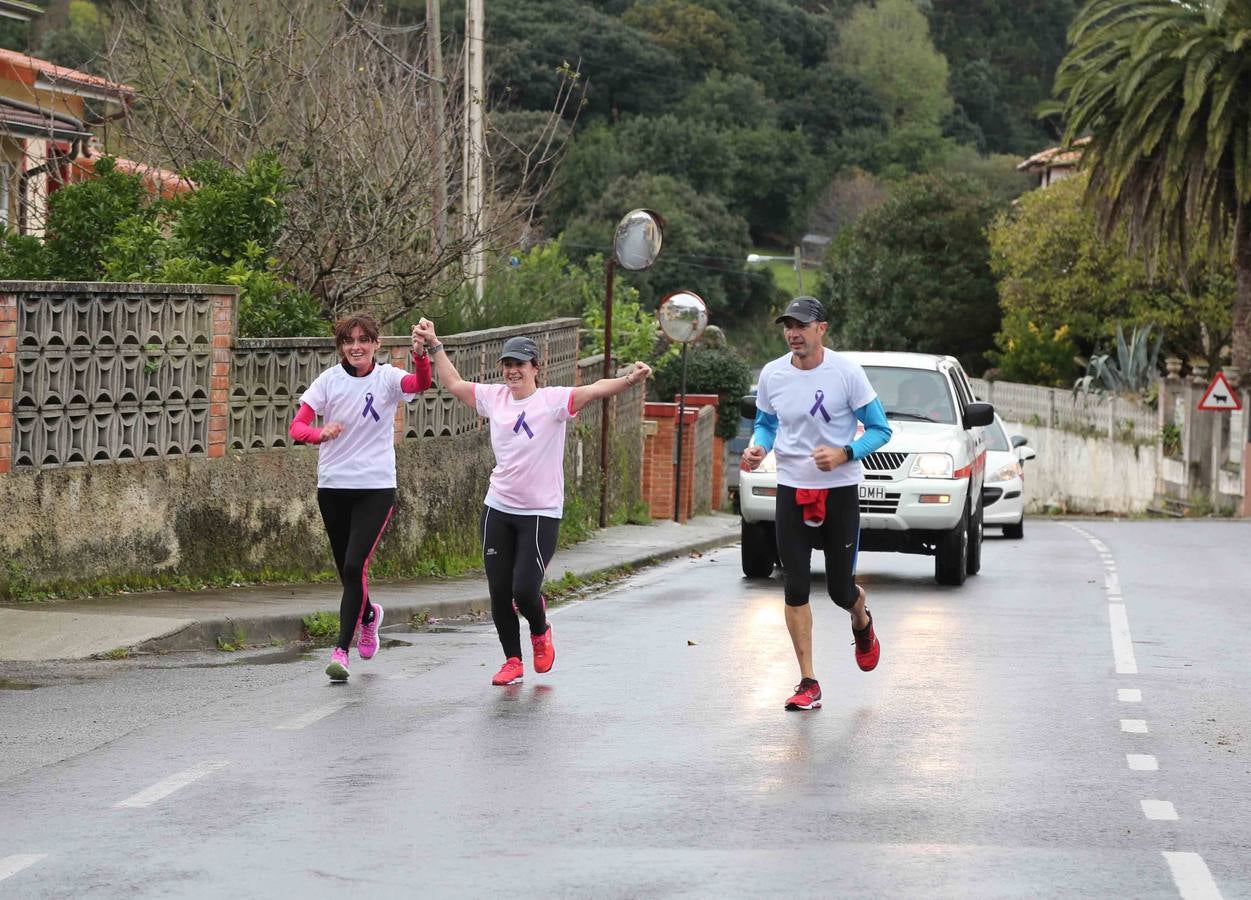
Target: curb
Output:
[{"x": 289, "y": 627}]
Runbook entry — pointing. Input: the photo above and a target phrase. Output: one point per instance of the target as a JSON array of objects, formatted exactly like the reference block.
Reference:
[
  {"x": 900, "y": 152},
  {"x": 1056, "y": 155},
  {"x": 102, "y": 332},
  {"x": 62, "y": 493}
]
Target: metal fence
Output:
[{"x": 1117, "y": 417}]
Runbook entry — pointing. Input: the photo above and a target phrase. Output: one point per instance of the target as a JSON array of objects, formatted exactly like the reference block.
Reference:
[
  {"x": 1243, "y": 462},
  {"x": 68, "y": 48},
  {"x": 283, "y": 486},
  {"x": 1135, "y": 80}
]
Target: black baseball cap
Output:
[
  {"x": 803, "y": 309},
  {"x": 521, "y": 348}
]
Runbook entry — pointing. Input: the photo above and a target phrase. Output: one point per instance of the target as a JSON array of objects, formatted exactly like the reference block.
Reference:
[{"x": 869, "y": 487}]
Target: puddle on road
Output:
[{"x": 12, "y": 684}]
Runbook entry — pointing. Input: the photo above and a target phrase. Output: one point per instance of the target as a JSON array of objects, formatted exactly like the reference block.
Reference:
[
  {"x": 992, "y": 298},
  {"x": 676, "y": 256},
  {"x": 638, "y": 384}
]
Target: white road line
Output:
[
  {"x": 1112, "y": 584},
  {"x": 1134, "y": 726},
  {"x": 11, "y": 865},
  {"x": 1141, "y": 762},
  {"x": 1191, "y": 875},
  {"x": 315, "y": 715},
  {"x": 1159, "y": 810},
  {"x": 1122, "y": 643},
  {"x": 1129, "y": 695},
  {"x": 167, "y": 786}
]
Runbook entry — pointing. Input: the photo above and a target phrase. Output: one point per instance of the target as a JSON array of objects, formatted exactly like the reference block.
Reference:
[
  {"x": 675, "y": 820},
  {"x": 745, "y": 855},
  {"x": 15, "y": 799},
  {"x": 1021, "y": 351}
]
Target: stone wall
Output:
[
  {"x": 1078, "y": 473},
  {"x": 121, "y": 498}
]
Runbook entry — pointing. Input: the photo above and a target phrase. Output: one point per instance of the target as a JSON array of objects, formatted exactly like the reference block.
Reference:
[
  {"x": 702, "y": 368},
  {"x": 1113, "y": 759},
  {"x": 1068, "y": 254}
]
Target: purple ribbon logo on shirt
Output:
[
  {"x": 369, "y": 408},
  {"x": 521, "y": 423},
  {"x": 819, "y": 405}
]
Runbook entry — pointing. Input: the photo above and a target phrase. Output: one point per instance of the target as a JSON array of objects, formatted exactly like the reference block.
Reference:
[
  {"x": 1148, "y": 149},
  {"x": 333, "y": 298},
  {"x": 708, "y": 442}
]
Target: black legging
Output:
[
  {"x": 516, "y": 551},
  {"x": 838, "y": 535},
  {"x": 355, "y": 520}
]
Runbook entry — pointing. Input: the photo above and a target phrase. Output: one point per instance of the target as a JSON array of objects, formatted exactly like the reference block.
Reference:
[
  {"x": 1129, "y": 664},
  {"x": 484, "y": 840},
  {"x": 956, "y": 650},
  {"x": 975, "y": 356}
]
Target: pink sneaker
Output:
[
  {"x": 367, "y": 643},
  {"x": 338, "y": 668},
  {"x": 544, "y": 651},
  {"x": 510, "y": 673}
]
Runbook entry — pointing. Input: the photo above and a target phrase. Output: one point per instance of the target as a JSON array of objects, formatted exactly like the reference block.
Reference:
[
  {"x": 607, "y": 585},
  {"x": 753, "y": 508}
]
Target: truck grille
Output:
[
  {"x": 887, "y": 506},
  {"x": 883, "y": 462}
]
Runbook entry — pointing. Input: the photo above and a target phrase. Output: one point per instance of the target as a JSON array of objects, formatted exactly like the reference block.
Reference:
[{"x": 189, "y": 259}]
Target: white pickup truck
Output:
[{"x": 922, "y": 491}]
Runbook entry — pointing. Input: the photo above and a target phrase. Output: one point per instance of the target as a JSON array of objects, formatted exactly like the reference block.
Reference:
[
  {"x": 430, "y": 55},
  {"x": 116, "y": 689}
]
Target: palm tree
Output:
[{"x": 1163, "y": 88}]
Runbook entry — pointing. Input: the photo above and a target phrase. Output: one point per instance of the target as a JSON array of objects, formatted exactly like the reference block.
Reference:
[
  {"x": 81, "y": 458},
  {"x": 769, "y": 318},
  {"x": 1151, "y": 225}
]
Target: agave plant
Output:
[{"x": 1131, "y": 372}]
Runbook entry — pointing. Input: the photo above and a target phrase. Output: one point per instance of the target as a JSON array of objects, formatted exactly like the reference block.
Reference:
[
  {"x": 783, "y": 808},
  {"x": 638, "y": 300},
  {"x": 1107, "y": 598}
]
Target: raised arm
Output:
[
  {"x": 608, "y": 387},
  {"x": 449, "y": 379}
]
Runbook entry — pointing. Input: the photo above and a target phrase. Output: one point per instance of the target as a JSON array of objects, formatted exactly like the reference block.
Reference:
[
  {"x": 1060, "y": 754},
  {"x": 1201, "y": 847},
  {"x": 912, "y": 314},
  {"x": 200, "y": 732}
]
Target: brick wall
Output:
[{"x": 660, "y": 454}]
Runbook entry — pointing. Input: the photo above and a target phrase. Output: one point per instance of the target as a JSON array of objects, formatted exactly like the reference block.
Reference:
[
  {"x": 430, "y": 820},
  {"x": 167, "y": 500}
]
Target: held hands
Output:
[
  {"x": 330, "y": 432},
  {"x": 424, "y": 331},
  {"x": 828, "y": 458},
  {"x": 641, "y": 371},
  {"x": 752, "y": 457}
]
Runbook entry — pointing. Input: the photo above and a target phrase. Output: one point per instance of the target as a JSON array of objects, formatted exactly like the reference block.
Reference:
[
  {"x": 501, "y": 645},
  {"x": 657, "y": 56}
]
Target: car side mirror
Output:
[
  {"x": 976, "y": 414},
  {"x": 747, "y": 407},
  {"x": 1024, "y": 453},
  {"x": 1019, "y": 440}
]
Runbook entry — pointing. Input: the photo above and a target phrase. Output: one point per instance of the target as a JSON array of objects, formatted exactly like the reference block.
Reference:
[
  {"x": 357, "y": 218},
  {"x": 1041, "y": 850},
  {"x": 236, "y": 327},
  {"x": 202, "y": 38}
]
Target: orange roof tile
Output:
[
  {"x": 158, "y": 180},
  {"x": 33, "y": 67}
]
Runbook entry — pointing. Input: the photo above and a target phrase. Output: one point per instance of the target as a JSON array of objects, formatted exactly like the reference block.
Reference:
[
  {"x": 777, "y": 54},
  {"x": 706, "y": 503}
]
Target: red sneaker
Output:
[
  {"x": 510, "y": 673},
  {"x": 807, "y": 695},
  {"x": 868, "y": 650},
  {"x": 544, "y": 652}
]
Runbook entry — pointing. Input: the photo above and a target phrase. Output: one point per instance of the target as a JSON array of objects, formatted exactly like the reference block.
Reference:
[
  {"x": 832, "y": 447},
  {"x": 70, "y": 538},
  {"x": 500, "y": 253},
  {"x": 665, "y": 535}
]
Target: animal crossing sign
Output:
[{"x": 1220, "y": 397}]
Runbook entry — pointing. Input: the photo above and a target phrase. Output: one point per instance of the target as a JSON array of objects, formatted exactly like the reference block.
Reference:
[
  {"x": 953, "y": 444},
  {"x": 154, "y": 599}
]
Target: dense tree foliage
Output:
[
  {"x": 914, "y": 274},
  {"x": 1057, "y": 270}
]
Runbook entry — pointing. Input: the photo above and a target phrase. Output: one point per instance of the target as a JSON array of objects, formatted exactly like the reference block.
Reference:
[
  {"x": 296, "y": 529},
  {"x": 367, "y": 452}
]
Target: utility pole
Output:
[
  {"x": 475, "y": 102},
  {"x": 434, "y": 47}
]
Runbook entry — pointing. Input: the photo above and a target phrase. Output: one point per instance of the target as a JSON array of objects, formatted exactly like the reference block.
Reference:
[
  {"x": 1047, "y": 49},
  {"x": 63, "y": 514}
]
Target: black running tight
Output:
[
  {"x": 516, "y": 551},
  {"x": 838, "y": 535},
  {"x": 355, "y": 520}
]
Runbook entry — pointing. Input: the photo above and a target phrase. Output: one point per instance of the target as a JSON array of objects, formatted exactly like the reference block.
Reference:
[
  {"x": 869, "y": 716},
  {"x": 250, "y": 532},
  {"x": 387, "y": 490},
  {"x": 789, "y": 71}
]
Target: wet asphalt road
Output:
[{"x": 996, "y": 752}]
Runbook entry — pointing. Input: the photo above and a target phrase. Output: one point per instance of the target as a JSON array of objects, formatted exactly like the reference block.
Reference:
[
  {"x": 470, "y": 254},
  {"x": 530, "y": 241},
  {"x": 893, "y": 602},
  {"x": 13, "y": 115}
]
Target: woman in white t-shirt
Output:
[
  {"x": 357, "y": 400},
  {"x": 521, "y": 514}
]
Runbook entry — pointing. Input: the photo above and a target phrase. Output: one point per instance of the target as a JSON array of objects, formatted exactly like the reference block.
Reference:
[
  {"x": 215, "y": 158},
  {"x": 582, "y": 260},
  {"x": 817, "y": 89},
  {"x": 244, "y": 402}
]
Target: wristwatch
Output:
[{"x": 847, "y": 450}]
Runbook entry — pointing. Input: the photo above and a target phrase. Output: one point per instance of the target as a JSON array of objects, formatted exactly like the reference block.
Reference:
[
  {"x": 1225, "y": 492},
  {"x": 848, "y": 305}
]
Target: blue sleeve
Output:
[
  {"x": 876, "y": 429},
  {"x": 766, "y": 430}
]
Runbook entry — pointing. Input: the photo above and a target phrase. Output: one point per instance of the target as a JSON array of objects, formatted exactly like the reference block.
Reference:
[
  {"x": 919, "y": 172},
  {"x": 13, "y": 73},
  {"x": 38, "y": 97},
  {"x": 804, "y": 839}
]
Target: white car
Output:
[
  {"x": 1004, "y": 491},
  {"x": 922, "y": 492}
]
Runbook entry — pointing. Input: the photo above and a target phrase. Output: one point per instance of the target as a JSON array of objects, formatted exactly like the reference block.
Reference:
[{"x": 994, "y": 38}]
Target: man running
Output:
[{"x": 807, "y": 406}]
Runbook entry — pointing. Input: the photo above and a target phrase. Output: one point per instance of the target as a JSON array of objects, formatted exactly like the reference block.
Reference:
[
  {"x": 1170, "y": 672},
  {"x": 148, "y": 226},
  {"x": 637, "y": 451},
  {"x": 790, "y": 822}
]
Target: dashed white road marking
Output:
[
  {"x": 1122, "y": 642},
  {"x": 314, "y": 715},
  {"x": 1141, "y": 762},
  {"x": 1134, "y": 726},
  {"x": 1111, "y": 583},
  {"x": 11, "y": 865},
  {"x": 167, "y": 786},
  {"x": 1129, "y": 695},
  {"x": 1191, "y": 875},
  {"x": 1159, "y": 810}
]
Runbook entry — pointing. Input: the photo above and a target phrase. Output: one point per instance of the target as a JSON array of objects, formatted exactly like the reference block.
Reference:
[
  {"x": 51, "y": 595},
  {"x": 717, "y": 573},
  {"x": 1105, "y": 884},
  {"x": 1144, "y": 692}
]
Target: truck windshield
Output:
[{"x": 915, "y": 394}]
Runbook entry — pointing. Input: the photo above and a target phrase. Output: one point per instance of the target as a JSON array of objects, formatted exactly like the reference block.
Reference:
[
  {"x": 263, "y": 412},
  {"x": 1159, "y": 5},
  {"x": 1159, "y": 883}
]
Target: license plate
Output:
[{"x": 872, "y": 492}]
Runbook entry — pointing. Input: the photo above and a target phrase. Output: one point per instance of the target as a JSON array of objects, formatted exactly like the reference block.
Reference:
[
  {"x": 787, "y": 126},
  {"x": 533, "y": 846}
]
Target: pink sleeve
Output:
[
  {"x": 418, "y": 381},
  {"x": 302, "y": 429}
]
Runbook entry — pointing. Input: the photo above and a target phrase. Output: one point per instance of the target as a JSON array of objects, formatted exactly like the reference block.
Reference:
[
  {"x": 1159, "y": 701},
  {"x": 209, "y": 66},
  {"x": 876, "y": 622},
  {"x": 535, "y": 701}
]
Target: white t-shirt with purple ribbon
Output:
[
  {"x": 363, "y": 456},
  {"x": 528, "y": 437},
  {"x": 813, "y": 406}
]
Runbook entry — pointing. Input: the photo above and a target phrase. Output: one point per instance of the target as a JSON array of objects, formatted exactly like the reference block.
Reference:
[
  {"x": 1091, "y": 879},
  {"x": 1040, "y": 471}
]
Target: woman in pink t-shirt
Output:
[{"x": 526, "y": 498}]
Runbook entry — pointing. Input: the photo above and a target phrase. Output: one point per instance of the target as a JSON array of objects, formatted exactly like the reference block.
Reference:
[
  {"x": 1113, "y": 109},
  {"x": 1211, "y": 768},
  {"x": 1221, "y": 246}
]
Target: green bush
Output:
[
  {"x": 1031, "y": 354},
  {"x": 709, "y": 370},
  {"x": 223, "y": 232}
]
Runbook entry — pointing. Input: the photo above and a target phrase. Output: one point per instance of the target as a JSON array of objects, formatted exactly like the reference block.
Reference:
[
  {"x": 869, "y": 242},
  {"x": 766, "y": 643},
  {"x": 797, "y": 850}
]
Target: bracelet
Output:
[
  {"x": 629, "y": 377},
  {"x": 422, "y": 355},
  {"x": 435, "y": 348}
]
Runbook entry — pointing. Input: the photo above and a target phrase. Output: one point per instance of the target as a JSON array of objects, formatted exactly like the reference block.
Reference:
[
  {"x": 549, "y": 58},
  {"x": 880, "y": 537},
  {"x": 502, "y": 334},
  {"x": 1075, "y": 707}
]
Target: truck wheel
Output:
[
  {"x": 759, "y": 549},
  {"x": 951, "y": 560},
  {"x": 975, "y": 543}
]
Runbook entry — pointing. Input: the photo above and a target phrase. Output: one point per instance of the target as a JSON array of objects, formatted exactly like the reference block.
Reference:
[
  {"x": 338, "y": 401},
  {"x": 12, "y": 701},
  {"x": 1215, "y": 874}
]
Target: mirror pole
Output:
[
  {"x": 610, "y": 268},
  {"x": 677, "y": 477}
]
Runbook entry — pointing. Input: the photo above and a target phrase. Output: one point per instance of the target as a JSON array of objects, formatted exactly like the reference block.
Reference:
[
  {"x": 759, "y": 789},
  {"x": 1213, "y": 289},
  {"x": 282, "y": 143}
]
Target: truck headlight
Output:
[
  {"x": 768, "y": 464},
  {"x": 933, "y": 465}
]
